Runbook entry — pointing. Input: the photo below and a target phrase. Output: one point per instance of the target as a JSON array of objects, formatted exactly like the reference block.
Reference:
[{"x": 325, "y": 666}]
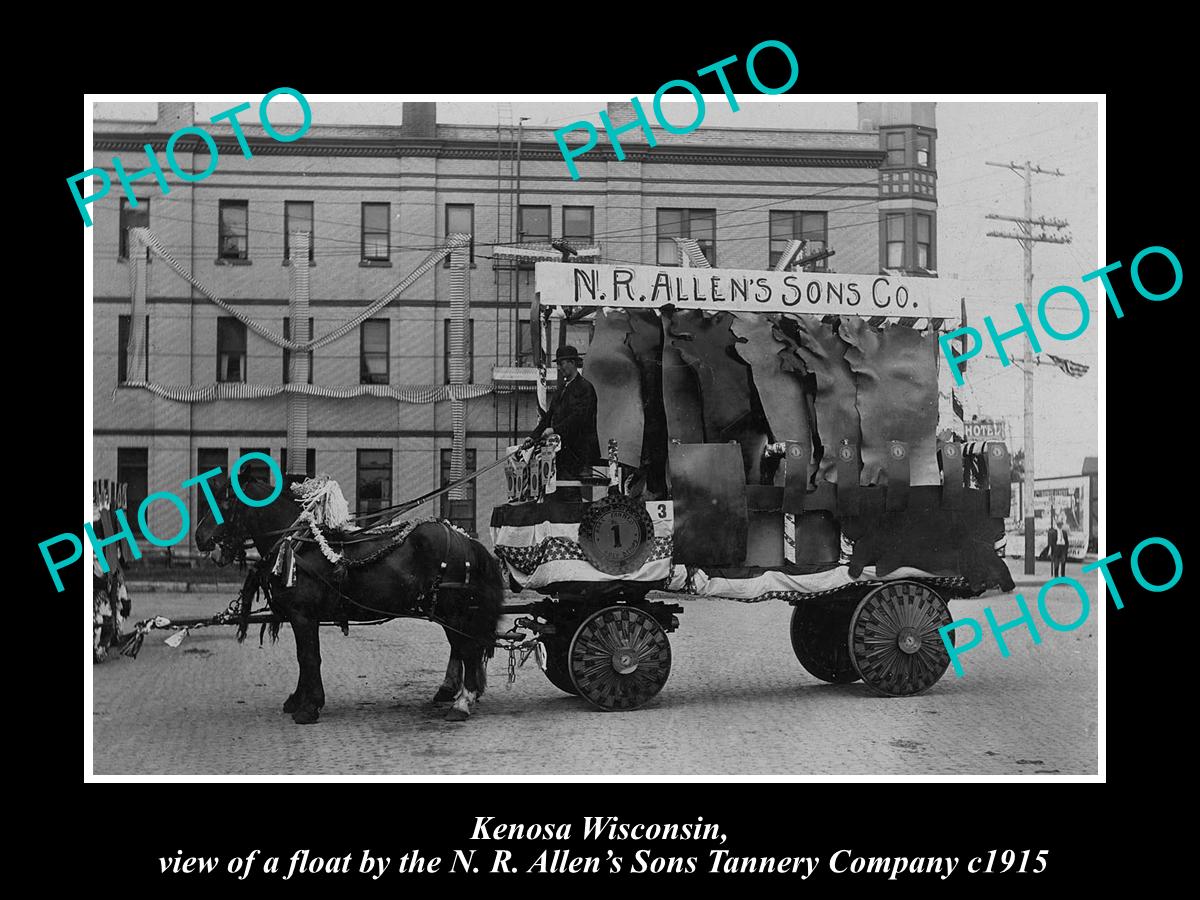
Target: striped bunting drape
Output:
[
  {"x": 136, "y": 350},
  {"x": 695, "y": 256},
  {"x": 458, "y": 392},
  {"x": 405, "y": 393},
  {"x": 149, "y": 239},
  {"x": 788, "y": 256}
]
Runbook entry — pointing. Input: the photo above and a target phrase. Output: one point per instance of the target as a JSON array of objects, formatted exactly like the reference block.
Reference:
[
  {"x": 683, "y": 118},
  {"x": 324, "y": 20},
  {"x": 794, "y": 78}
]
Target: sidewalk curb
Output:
[{"x": 185, "y": 587}]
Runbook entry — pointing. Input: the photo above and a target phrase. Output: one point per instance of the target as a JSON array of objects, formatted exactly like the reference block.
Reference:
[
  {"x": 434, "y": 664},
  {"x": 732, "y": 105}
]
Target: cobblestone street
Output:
[{"x": 737, "y": 702}]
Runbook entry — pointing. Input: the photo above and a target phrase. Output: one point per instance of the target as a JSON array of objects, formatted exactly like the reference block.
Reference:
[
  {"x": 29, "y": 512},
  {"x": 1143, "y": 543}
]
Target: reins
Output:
[{"x": 387, "y": 512}]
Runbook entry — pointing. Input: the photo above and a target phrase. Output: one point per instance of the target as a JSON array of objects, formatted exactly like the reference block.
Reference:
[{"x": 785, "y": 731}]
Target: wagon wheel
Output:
[
  {"x": 894, "y": 640},
  {"x": 819, "y": 640},
  {"x": 619, "y": 658},
  {"x": 556, "y": 666}
]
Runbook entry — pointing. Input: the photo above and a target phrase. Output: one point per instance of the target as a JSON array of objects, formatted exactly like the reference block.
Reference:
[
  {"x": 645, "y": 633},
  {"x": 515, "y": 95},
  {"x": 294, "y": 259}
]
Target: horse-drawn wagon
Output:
[
  {"x": 775, "y": 435},
  {"x": 778, "y": 435}
]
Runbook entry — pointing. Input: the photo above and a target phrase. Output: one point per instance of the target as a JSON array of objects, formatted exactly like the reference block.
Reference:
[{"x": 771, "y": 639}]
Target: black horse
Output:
[{"x": 426, "y": 570}]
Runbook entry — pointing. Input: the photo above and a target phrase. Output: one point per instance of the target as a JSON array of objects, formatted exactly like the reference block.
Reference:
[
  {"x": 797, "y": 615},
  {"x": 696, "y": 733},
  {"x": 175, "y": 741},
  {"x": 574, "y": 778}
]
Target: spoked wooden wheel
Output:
[
  {"x": 894, "y": 640},
  {"x": 557, "y": 670},
  {"x": 619, "y": 658},
  {"x": 819, "y": 639}
]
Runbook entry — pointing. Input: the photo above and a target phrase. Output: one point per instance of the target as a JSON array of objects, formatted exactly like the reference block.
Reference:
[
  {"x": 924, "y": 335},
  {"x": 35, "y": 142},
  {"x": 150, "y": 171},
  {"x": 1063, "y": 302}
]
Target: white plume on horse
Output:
[{"x": 322, "y": 497}]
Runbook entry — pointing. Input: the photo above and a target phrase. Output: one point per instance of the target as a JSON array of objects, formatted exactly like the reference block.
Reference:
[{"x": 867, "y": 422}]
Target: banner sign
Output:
[
  {"x": 745, "y": 290},
  {"x": 984, "y": 430}
]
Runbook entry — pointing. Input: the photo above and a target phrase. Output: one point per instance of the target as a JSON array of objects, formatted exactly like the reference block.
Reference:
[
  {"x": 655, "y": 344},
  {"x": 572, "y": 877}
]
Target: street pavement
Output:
[{"x": 737, "y": 703}]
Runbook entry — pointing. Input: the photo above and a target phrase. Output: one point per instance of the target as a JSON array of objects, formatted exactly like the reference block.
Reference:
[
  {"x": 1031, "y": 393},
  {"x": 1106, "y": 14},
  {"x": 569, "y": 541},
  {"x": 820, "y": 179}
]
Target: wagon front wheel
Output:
[
  {"x": 894, "y": 640},
  {"x": 619, "y": 658}
]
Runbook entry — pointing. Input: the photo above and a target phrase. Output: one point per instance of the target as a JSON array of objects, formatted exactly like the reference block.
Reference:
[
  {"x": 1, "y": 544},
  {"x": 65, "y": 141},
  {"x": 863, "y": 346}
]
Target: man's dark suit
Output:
[
  {"x": 572, "y": 415},
  {"x": 1058, "y": 552}
]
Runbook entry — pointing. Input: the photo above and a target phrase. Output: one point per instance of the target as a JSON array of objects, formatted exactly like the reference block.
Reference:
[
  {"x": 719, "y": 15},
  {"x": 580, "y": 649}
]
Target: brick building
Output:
[{"x": 377, "y": 199}]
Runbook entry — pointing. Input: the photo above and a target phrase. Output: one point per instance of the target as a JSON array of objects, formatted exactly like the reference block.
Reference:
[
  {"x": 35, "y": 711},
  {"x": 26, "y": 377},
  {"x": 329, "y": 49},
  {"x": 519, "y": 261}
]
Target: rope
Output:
[{"x": 391, "y": 512}]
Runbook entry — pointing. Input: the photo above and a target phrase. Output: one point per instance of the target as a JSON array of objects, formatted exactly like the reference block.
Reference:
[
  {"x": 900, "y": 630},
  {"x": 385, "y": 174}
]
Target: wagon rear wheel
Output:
[
  {"x": 619, "y": 658},
  {"x": 819, "y": 640},
  {"x": 894, "y": 640}
]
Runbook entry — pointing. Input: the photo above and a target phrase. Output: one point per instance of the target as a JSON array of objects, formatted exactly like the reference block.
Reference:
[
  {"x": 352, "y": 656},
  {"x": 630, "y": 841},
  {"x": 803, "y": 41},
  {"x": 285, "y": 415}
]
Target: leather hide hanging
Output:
[
  {"x": 897, "y": 400},
  {"x": 645, "y": 342},
  {"x": 706, "y": 343},
  {"x": 681, "y": 390},
  {"x": 780, "y": 387},
  {"x": 824, "y": 353},
  {"x": 611, "y": 369}
]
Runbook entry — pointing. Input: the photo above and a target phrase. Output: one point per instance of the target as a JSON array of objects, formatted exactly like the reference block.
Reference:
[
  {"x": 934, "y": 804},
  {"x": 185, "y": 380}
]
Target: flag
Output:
[
  {"x": 542, "y": 396},
  {"x": 1074, "y": 369}
]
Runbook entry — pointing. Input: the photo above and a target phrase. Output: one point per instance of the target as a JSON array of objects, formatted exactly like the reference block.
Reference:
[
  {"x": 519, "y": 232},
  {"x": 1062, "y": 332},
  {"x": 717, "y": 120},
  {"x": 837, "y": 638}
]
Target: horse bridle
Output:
[{"x": 235, "y": 537}]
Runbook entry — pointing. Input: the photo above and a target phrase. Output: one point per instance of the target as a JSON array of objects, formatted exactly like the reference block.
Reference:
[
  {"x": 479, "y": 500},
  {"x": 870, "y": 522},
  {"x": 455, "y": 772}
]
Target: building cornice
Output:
[{"x": 446, "y": 149}]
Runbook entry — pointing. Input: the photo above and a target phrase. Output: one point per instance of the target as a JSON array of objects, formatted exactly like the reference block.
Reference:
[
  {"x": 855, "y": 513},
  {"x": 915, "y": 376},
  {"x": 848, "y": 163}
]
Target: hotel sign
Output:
[{"x": 744, "y": 290}]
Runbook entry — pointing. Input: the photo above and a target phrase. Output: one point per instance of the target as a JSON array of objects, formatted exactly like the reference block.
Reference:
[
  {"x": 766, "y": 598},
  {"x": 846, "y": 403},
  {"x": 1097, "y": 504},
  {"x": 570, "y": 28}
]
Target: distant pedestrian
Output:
[{"x": 1058, "y": 549}]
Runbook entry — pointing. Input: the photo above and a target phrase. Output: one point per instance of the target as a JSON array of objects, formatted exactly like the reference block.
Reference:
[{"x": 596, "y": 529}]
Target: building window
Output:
[
  {"x": 234, "y": 216},
  {"x": 132, "y": 218},
  {"x": 231, "y": 349},
  {"x": 373, "y": 368},
  {"x": 255, "y": 468},
  {"x": 459, "y": 512},
  {"x": 895, "y": 148},
  {"x": 468, "y": 351},
  {"x": 133, "y": 468},
  {"x": 374, "y": 490},
  {"x": 578, "y": 222},
  {"x": 923, "y": 150},
  {"x": 376, "y": 232},
  {"x": 812, "y": 227},
  {"x": 208, "y": 458},
  {"x": 123, "y": 349},
  {"x": 460, "y": 218},
  {"x": 924, "y": 241},
  {"x": 698, "y": 224},
  {"x": 297, "y": 216},
  {"x": 895, "y": 241},
  {"x": 310, "y": 462},
  {"x": 533, "y": 225},
  {"x": 287, "y": 354}
]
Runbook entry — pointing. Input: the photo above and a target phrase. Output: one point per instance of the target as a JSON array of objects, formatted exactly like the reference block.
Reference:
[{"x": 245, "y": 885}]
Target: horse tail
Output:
[{"x": 492, "y": 578}]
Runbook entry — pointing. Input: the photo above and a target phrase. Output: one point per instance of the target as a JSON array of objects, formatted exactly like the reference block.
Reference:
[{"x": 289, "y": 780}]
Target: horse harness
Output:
[{"x": 453, "y": 572}]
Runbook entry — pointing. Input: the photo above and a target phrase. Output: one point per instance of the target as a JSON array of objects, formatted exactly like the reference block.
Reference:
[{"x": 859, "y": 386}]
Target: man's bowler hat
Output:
[{"x": 566, "y": 351}]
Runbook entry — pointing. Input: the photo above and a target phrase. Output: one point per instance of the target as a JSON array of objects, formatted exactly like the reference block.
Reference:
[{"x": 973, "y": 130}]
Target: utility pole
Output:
[{"x": 1028, "y": 238}]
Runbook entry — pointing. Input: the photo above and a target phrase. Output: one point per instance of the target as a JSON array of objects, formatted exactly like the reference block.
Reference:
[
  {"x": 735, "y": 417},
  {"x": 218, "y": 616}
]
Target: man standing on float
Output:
[{"x": 572, "y": 416}]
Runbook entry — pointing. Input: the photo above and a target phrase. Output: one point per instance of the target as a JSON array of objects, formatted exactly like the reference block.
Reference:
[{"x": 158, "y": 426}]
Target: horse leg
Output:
[
  {"x": 293, "y": 702},
  {"x": 308, "y": 654},
  {"x": 481, "y": 675},
  {"x": 316, "y": 687},
  {"x": 453, "y": 680},
  {"x": 474, "y": 677},
  {"x": 468, "y": 691}
]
